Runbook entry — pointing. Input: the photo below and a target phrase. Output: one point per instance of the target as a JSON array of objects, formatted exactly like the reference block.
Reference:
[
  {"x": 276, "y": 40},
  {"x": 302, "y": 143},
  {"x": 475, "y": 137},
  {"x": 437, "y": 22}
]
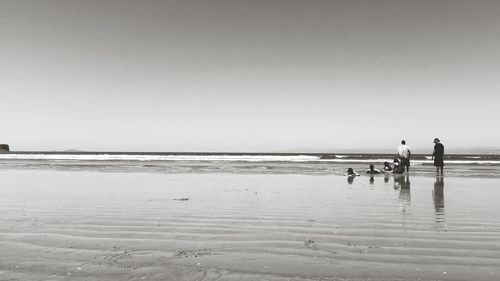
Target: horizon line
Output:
[{"x": 364, "y": 151}]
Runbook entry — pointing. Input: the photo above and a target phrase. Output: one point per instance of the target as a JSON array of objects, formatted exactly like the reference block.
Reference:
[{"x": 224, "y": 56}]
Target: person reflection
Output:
[
  {"x": 372, "y": 179},
  {"x": 405, "y": 184},
  {"x": 350, "y": 175},
  {"x": 386, "y": 178},
  {"x": 398, "y": 180},
  {"x": 350, "y": 180},
  {"x": 402, "y": 182},
  {"x": 438, "y": 196}
]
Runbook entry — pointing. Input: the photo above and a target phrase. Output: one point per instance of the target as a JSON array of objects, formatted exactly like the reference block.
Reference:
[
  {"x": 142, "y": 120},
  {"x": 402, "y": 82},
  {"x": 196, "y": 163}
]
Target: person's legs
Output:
[{"x": 406, "y": 164}]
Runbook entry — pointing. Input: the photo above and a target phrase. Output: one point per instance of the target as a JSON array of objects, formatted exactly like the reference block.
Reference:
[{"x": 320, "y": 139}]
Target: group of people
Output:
[{"x": 402, "y": 162}]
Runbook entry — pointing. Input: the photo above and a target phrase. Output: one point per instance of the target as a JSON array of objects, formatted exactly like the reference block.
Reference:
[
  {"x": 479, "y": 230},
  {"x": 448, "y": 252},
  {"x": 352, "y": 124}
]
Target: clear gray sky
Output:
[{"x": 248, "y": 75}]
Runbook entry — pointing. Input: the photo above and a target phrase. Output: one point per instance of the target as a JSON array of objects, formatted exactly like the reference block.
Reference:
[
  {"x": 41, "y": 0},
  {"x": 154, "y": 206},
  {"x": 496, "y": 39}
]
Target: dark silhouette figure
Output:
[
  {"x": 387, "y": 167},
  {"x": 438, "y": 155},
  {"x": 350, "y": 175},
  {"x": 372, "y": 179},
  {"x": 372, "y": 170},
  {"x": 398, "y": 168}
]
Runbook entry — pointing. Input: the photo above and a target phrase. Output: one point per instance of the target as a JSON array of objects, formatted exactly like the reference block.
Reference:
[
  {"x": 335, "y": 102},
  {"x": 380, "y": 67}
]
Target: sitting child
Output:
[
  {"x": 398, "y": 168},
  {"x": 387, "y": 167},
  {"x": 350, "y": 173},
  {"x": 372, "y": 170}
]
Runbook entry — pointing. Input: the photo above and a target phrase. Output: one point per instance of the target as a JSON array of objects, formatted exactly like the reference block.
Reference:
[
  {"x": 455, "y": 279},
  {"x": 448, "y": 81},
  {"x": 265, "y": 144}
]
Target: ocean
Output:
[
  {"x": 478, "y": 165},
  {"x": 240, "y": 216}
]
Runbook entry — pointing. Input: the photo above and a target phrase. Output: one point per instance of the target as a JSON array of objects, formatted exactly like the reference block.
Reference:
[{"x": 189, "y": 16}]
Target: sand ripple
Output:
[{"x": 242, "y": 228}]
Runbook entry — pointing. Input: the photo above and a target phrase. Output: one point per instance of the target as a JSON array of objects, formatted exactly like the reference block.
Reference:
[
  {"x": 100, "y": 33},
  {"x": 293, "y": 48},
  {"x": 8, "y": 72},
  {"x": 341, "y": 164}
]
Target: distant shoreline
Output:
[{"x": 415, "y": 155}]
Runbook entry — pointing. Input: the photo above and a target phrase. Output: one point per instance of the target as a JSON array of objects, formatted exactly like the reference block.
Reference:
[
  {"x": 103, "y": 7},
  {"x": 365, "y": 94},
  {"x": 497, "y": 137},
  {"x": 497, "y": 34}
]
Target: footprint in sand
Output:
[
  {"x": 311, "y": 245},
  {"x": 193, "y": 253},
  {"x": 113, "y": 259}
]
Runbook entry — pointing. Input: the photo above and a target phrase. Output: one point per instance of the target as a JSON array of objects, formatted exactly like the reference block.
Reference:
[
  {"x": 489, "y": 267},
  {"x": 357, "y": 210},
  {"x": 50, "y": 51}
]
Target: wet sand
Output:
[{"x": 62, "y": 225}]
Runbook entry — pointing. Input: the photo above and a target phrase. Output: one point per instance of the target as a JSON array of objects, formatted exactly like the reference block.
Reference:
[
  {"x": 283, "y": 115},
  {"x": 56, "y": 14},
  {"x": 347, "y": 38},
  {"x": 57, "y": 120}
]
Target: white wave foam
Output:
[
  {"x": 240, "y": 158},
  {"x": 129, "y": 157},
  {"x": 418, "y": 162}
]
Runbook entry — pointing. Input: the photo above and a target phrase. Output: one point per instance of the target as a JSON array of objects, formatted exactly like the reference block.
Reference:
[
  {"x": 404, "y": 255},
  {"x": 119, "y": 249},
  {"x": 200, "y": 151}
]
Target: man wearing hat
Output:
[{"x": 438, "y": 155}]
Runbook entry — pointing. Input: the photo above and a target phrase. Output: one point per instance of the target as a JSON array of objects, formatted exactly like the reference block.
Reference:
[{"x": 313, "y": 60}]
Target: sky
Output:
[{"x": 254, "y": 76}]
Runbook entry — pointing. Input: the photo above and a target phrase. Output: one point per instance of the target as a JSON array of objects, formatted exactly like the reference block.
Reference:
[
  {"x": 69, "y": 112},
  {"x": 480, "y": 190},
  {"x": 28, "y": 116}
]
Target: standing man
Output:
[
  {"x": 404, "y": 155},
  {"x": 438, "y": 155}
]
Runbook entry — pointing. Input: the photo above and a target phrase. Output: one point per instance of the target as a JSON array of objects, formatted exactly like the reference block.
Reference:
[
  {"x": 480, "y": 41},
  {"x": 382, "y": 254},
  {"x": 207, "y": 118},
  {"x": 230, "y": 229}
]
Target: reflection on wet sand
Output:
[
  {"x": 372, "y": 179},
  {"x": 115, "y": 226},
  {"x": 402, "y": 183},
  {"x": 350, "y": 180},
  {"x": 438, "y": 196}
]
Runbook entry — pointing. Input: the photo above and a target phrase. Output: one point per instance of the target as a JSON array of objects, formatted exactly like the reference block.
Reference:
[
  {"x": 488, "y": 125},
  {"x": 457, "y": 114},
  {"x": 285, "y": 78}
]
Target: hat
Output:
[{"x": 436, "y": 140}]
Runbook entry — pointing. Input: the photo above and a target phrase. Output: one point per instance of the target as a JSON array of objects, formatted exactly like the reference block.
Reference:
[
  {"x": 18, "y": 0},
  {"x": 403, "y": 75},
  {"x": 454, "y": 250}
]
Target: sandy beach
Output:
[
  {"x": 67, "y": 225},
  {"x": 171, "y": 140}
]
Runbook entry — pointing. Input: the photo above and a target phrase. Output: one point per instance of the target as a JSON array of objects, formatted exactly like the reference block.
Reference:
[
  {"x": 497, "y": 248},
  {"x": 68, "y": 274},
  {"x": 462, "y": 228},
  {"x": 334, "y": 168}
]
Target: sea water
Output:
[{"x": 249, "y": 163}]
